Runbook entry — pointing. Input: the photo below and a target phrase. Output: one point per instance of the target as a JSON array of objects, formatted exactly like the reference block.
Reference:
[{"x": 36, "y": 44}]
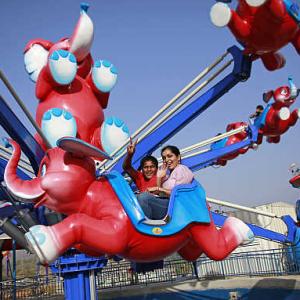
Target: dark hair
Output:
[
  {"x": 259, "y": 107},
  {"x": 173, "y": 149},
  {"x": 148, "y": 158}
]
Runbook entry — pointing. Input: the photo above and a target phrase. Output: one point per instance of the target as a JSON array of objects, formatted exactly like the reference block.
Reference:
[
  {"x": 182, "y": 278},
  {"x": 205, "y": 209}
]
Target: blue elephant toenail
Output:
[
  {"x": 118, "y": 122},
  {"x": 97, "y": 64},
  {"x": 63, "y": 53},
  {"x": 125, "y": 129},
  {"x": 67, "y": 115},
  {"x": 72, "y": 58},
  {"x": 106, "y": 63},
  {"x": 109, "y": 121},
  {"x": 47, "y": 116},
  {"x": 54, "y": 56},
  {"x": 114, "y": 70},
  {"x": 57, "y": 112}
]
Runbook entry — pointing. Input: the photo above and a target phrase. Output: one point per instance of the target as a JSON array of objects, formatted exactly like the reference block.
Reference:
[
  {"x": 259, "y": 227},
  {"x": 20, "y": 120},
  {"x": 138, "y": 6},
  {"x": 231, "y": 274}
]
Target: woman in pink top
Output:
[{"x": 156, "y": 200}]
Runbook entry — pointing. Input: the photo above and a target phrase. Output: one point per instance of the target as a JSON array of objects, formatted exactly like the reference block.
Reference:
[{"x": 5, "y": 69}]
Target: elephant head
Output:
[
  {"x": 284, "y": 94},
  {"x": 62, "y": 182},
  {"x": 37, "y": 51}
]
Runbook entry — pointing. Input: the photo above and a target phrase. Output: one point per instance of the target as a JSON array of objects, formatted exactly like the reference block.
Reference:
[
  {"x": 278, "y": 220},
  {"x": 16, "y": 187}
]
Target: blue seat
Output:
[{"x": 187, "y": 205}]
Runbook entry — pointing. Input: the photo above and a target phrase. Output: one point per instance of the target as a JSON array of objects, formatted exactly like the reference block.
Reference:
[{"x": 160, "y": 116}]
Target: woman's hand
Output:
[{"x": 162, "y": 172}]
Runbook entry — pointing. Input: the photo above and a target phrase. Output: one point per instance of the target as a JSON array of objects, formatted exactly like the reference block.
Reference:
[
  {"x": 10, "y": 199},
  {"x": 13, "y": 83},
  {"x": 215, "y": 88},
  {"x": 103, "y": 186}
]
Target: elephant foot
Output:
[
  {"x": 114, "y": 133},
  {"x": 242, "y": 232},
  {"x": 63, "y": 66},
  {"x": 273, "y": 61},
  {"x": 273, "y": 139},
  {"x": 254, "y": 146},
  {"x": 58, "y": 123},
  {"x": 220, "y": 14},
  {"x": 104, "y": 75},
  {"x": 284, "y": 113},
  {"x": 43, "y": 242},
  {"x": 256, "y": 3}
]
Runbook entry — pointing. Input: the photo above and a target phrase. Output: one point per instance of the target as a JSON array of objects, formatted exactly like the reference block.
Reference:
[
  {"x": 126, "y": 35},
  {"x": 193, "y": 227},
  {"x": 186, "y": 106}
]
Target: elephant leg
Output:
[
  {"x": 218, "y": 244},
  {"x": 277, "y": 9},
  {"x": 102, "y": 79},
  {"x": 273, "y": 139},
  {"x": 221, "y": 15},
  {"x": 106, "y": 236},
  {"x": 259, "y": 139},
  {"x": 239, "y": 27},
  {"x": 88, "y": 250},
  {"x": 191, "y": 251}
]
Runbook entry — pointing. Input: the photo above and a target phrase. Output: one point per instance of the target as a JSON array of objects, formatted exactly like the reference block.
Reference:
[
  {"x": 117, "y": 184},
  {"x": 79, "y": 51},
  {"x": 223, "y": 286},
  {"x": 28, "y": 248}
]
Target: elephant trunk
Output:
[
  {"x": 26, "y": 190},
  {"x": 293, "y": 88},
  {"x": 82, "y": 37}
]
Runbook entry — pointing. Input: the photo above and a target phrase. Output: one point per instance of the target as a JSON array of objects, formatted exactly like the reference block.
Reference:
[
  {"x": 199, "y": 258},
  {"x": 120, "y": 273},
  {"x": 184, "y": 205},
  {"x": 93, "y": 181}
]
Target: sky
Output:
[{"x": 159, "y": 46}]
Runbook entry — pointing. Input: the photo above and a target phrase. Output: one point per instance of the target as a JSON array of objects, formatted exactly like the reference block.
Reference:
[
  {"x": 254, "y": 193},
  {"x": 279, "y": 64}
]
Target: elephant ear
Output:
[
  {"x": 81, "y": 148},
  {"x": 35, "y": 57},
  {"x": 267, "y": 96}
]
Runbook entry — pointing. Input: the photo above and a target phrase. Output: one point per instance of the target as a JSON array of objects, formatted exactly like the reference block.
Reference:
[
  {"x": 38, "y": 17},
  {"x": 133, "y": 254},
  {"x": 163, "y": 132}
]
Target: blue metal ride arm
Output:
[
  {"x": 291, "y": 227},
  {"x": 241, "y": 71},
  {"x": 206, "y": 159},
  {"x": 17, "y": 131},
  {"x": 258, "y": 231}
]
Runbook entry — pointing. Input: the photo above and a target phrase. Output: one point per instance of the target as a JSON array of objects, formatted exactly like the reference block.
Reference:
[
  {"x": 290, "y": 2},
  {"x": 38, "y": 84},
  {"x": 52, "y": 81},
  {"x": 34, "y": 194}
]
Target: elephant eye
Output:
[{"x": 43, "y": 170}]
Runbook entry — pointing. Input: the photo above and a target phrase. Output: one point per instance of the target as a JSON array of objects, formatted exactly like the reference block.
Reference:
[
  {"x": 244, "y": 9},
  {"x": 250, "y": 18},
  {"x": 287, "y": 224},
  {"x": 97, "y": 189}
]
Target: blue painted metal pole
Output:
[
  {"x": 17, "y": 131},
  {"x": 14, "y": 273},
  {"x": 78, "y": 273},
  {"x": 291, "y": 226},
  {"x": 1, "y": 270},
  {"x": 208, "y": 158},
  {"x": 241, "y": 71}
]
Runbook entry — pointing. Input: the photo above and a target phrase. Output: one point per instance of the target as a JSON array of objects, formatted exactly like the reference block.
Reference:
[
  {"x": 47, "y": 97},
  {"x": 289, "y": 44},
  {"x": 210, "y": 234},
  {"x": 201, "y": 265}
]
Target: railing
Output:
[
  {"x": 120, "y": 275},
  {"x": 38, "y": 287}
]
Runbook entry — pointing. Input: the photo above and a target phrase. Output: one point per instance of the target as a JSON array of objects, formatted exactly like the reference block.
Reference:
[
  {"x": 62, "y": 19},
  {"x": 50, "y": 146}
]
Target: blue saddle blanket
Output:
[
  {"x": 187, "y": 205},
  {"x": 293, "y": 9},
  {"x": 260, "y": 121}
]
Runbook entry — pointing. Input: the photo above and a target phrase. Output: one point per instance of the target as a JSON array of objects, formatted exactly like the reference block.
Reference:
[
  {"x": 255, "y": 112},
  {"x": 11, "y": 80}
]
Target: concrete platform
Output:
[{"x": 265, "y": 288}]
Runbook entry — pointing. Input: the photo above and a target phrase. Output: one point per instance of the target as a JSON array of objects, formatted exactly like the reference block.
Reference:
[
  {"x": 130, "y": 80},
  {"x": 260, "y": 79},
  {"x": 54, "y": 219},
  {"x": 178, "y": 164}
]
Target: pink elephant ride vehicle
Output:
[
  {"x": 276, "y": 119},
  {"x": 104, "y": 217},
  {"x": 262, "y": 27}
]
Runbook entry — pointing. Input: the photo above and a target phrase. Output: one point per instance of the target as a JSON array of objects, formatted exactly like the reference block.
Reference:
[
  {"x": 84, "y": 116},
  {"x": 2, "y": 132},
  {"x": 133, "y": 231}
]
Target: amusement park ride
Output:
[{"x": 77, "y": 154}]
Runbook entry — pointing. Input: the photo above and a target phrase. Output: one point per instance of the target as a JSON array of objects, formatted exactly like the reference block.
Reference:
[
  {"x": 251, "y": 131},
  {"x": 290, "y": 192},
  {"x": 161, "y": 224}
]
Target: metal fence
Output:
[
  {"x": 257, "y": 263},
  {"x": 118, "y": 275}
]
